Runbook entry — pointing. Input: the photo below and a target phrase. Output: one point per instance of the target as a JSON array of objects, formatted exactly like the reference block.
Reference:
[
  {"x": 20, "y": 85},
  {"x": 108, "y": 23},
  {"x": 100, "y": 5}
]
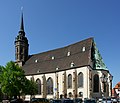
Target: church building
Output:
[{"x": 76, "y": 70}]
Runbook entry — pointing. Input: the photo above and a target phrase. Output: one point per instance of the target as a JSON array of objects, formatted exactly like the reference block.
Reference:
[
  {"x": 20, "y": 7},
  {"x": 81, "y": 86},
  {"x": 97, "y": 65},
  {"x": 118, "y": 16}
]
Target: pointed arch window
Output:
[
  {"x": 80, "y": 80},
  {"x": 69, "y": 81},
  {"x": 49, "y": 86},
  {"x": 96, "y": 83},
  {"x": 38, "y": 81}
]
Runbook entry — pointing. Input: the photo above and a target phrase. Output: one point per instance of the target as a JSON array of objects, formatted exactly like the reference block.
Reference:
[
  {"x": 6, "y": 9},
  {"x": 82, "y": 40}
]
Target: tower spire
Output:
[
  {"x": 21, "y": 44},
  {"x": 21, "y": 32},
  {"x": 22, "y": 23}
]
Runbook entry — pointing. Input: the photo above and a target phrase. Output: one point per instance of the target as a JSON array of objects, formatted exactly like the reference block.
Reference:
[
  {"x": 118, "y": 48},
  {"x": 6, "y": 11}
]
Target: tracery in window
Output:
[
  {"x": 49, "y": 86},
  {"x": 69, "y": 81},
  {"x": 80, "y": 80},
  {"x": 38, "y": 81}
]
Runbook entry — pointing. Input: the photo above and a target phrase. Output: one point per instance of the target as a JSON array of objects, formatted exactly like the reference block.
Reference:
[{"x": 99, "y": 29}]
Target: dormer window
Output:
[
  {"x": 72, "y": 64},
  {"x": 68, "y": 54},
  {"x": 53, "y": 57},
  {"x": 83, "y": 49},
  {"x": 36, "y": 61},
  {"x": 38, "y": 71},
  {"x": 57, "y": 68}
]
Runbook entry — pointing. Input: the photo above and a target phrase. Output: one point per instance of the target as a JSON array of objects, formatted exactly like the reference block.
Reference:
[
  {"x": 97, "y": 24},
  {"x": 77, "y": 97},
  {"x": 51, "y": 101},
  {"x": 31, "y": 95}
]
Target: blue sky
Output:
[{"x": 51, "y": 24}]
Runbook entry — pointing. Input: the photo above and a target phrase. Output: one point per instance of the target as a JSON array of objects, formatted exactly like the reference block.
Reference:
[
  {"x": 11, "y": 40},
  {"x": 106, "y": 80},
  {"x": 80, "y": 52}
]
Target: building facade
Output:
[
  {"x": 76, "y": 70},
  {"x": 116, "y": 91}
]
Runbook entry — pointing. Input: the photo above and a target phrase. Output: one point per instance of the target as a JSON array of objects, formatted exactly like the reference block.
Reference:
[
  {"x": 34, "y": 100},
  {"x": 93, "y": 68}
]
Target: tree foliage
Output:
[{"x": 13, "y": 81}]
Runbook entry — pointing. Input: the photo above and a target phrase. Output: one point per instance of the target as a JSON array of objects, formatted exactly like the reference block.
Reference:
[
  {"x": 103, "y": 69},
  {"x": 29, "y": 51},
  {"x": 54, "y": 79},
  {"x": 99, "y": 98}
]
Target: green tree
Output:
[
  {"x": 30, "y": 88},
  {"x": 1, "y": 68},
  {"x": 13, "y": 81}
]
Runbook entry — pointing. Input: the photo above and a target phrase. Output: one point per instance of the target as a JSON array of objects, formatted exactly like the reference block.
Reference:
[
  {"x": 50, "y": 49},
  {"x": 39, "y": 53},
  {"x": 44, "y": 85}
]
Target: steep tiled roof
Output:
[
  {"x": 79, "y": 54},
  {"x": 117, "y": 85}
]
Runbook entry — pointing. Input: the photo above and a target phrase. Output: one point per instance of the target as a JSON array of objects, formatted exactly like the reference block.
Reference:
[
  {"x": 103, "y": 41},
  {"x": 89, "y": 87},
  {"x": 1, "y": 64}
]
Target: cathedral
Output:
[{"x": 76, "y": 70}]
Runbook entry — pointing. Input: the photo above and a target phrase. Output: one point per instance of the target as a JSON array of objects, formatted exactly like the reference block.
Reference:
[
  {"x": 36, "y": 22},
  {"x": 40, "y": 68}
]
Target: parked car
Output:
[
  {"x": 106, "y": 100},
  {"x": 100, "y": 100},
  {"x": 39, "y": 100},
  {"x": 89, "y": 101},
  {"x": 67, "y": 101},
  {"x": 55, "y": 101},
  {"x": 77, "y": 100},
  {"x": 17, "y": 101},
  {"x": 5, "y": 101},
  {"x": 114, "y": 100}
]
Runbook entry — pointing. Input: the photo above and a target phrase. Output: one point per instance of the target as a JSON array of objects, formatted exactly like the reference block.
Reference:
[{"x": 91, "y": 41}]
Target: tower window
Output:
[{"x": 16, "y": 49}]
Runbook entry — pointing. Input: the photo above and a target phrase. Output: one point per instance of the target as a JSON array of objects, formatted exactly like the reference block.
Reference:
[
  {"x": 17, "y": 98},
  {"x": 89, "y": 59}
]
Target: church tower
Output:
[{"x": 21, "y": 45}]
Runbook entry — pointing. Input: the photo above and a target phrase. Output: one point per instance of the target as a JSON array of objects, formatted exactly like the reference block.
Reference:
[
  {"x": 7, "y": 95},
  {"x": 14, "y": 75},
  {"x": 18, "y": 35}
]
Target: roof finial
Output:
[{"x": 22, "y": 24}]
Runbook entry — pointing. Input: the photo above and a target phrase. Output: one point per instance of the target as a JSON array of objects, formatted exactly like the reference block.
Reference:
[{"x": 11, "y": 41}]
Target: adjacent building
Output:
[
  {"x": 116, "y": 91},
  {"x": 76, "y": 70}
]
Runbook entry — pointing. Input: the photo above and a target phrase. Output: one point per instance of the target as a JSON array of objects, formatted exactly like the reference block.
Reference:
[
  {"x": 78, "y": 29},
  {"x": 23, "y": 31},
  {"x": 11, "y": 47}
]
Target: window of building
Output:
[
  {"x": 53, "y": 57},
  {"x": 38, "y": 86},
  {"x": 68, "y": 54},
  {"x": 70, "y": 94},
  {"x": 17, "y": 49},
  {"x": 69, "y": 81},
  {"x": 96, "y": 83},
  {"x": 72, "y": 64},
  {"x": 38, "y": 71},
  {"x": 36, "y": 61},
  {"x": 57, "y": 68},
  {"x": 83, "y": 49},
  {"x": 49, "y": 86},
  {"x": 80, "y": 80},
  {"x": 105, "y": 87},
  {"x": 80, "y": 94},
  {"x": 21, "y": 49}
]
